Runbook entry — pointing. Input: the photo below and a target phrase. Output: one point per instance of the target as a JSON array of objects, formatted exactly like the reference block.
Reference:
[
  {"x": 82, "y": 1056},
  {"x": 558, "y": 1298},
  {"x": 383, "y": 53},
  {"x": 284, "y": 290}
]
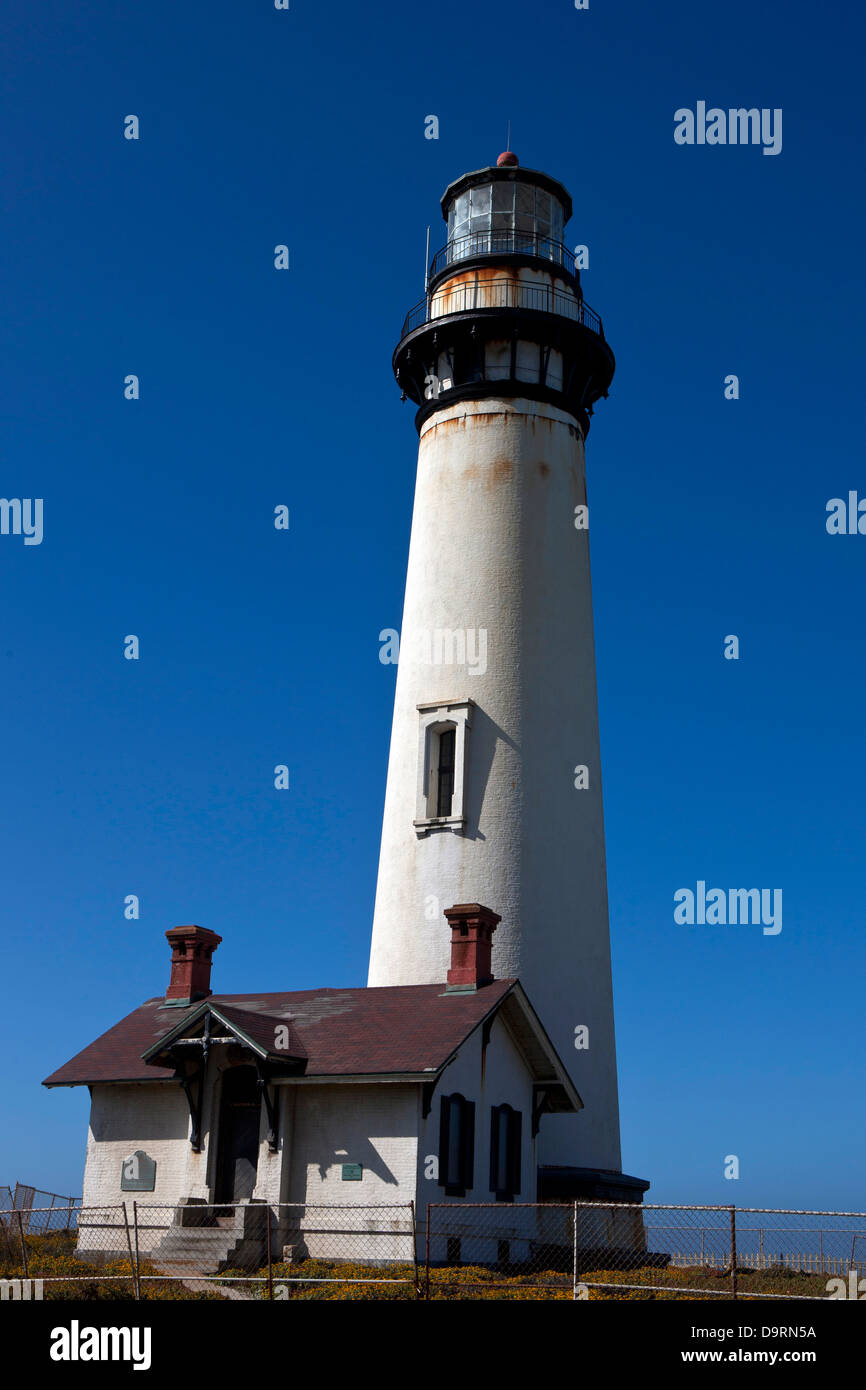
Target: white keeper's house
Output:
[{"x": 391, "y": 1095}]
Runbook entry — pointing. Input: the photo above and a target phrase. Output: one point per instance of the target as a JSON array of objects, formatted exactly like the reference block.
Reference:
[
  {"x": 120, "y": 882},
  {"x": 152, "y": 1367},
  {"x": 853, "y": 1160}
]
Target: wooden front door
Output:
[{"x": 238, "y": 1139}]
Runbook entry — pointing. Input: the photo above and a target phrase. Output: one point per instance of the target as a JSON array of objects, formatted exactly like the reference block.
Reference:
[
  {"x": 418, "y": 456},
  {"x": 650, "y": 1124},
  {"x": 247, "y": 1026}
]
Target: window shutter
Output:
[
  {"x": 444, "y": 1128},
  {"x": 506, "y": 1129},
  {"x": 495, "y": 1122},
  {"x": 514, "y": 1146},
  {"x": 468, "y": 1144},
  {"x": 456, "y": 1144}
]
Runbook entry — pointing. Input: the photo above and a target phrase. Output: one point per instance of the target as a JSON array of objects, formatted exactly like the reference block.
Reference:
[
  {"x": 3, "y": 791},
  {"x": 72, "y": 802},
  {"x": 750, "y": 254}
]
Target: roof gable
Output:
[{"x": 271, "y": 1037}]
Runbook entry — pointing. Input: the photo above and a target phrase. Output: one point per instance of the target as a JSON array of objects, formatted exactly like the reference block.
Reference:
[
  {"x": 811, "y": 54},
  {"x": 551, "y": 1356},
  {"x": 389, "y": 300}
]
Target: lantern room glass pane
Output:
[
  {"x": 481, "y": 200},
  {"x": 525, "y": 198},
  {"x": 504, "y": 217},
  {"x": 542, "y": 214}
]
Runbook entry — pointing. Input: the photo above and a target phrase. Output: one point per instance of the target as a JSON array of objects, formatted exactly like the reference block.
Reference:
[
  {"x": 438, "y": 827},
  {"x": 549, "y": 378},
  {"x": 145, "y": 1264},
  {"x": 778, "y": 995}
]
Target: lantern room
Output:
[{"x": 506, "y": 210}]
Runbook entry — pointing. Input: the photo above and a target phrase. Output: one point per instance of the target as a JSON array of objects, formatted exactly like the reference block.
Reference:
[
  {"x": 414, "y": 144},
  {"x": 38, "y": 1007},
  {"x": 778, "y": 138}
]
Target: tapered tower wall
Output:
[{"x": 495, "y": 549}]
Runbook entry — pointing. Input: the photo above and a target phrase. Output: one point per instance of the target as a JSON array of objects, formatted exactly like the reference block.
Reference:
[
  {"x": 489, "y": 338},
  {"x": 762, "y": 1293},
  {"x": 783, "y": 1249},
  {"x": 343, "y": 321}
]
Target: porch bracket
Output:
[
  {"x": 268, "y": 1095},
  {"x": 539, "y": 1108}
]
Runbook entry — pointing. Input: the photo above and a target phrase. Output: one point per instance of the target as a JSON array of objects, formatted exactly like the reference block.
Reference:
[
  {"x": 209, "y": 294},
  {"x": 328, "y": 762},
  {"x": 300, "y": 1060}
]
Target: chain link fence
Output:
[
  {"x": 42, "y": 1211},
  {"x": 192, "y": 1249},
  {"x": 279, "y": 1249},
  {"x": 474, "y": 1249},
  {"x": 39, "y": 1254},
  {"x": 618, "y": 1250},
  {"x": 462, "y": 1250}
]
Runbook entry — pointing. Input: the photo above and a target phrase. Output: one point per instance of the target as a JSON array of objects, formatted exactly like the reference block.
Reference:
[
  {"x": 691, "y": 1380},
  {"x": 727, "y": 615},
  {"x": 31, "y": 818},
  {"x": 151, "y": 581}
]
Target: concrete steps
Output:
[{"x": 191, "y": 1250}]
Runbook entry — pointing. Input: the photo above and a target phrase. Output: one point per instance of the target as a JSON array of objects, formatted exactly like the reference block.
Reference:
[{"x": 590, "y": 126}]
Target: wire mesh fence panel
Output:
[
  {"x": 794, "y": 1249},
  {"x": 719, "y": 1252},
  {"x": 40, "y": 1211},
  {"x": 473, "y": 1247},
  {"x": 8, "y": 1236},
  {"x": 92, "y": 1258},
  {"x": 343, "y": 1250},
  {"x": 194, "y": 1249},
  {"x": 668, "y": 1250},
  {"x": 769, "y": 1253},
  {"x": 732, "y": 1252},
  {"x": 276, "y": 1250},
  {"x": 619, "y": 1250}
]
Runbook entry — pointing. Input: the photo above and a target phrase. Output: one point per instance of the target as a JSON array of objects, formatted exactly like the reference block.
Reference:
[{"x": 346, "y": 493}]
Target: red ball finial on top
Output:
[{"x": 507, "y": 160}]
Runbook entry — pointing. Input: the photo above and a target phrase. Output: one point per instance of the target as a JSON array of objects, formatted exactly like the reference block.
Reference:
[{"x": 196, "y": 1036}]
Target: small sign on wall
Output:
[
  {"x": 352, "y": 1172},
  {"x": 138, "y": 1173}
]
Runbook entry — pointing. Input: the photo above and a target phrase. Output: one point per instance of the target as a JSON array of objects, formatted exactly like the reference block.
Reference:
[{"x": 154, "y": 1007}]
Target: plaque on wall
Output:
[
  {"x": 138, "y": 1173},
  {"x": 352, "y": 1172}
]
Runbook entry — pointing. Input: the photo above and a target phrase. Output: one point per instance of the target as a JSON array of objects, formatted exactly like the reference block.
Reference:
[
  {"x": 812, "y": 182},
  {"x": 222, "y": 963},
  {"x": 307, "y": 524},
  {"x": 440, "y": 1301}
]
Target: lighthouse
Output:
[{"x": 494, "y": 792}]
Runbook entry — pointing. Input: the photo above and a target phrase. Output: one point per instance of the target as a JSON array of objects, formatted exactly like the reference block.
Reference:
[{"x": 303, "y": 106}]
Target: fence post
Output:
[
  {"x": 137, "y": 1259},
  {"x": 135, "y": 1288},
  {"x": 270, "y": 1271},
  {"x": 23, "y": 1244},
  {"x": 576, "y": 1258},
  {"x": 414, "y": 1249},
  {"x": 733, "y": 1252},
  {"x": 427, "y": 1255}
]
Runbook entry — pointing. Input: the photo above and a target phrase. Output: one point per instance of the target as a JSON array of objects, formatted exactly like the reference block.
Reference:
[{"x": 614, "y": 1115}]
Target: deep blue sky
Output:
[{"x": 257, "y": 647}]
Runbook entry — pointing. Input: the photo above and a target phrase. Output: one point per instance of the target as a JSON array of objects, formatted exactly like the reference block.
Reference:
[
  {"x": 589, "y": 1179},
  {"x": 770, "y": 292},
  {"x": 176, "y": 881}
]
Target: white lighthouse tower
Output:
[{"x": 494, "y": 777}]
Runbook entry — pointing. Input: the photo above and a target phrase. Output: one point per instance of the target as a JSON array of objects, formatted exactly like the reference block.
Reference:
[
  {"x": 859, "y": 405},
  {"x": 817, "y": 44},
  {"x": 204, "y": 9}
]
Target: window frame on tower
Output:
[
  {"x": 437, "y": 718},
  {"x": 445, "y": 755}
]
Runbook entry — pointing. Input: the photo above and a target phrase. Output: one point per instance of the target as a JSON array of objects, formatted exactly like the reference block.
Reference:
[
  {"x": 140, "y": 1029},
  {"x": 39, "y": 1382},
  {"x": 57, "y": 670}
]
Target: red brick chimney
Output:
[
  {"x": 472, "y": 928},
  {"x": 191, "y": 951}
]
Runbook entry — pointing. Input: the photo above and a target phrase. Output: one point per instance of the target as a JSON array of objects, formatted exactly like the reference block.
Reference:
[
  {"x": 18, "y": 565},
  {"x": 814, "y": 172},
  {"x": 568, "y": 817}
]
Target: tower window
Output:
[
  {"x": 505, "y": 1140},
  {"x": 445, "y": 772},
  {"x": 442, "y": 764},
  {"x": 456, "y": 1145}
]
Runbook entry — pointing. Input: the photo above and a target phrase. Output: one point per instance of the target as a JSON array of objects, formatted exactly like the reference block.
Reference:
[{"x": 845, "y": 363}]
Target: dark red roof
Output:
[
  {"x": 261, "y": 1028},
  {"x": 342, "y": 1032}
]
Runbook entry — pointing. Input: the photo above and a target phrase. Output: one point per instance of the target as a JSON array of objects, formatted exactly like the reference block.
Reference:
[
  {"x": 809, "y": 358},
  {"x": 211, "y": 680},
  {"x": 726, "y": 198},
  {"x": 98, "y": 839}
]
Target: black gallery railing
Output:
[
  {"x": 503, "y": 243},
  {"x": 500, "y": 294}
]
